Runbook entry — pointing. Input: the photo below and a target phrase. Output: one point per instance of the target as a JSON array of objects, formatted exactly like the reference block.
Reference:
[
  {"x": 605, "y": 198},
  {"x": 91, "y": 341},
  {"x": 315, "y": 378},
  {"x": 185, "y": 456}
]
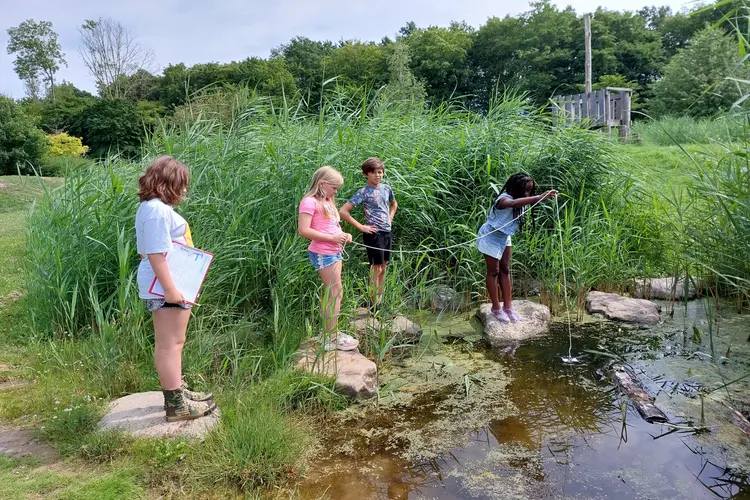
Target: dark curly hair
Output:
[{"x": 516, "y": 187}]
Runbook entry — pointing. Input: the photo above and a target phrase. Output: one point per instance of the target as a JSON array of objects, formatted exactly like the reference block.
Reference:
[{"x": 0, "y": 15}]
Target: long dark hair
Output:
[{"x": 515, "y": 186}]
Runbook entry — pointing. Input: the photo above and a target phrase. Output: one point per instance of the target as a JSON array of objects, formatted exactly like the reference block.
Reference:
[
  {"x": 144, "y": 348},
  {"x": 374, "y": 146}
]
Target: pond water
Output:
[{"x": 460, "y": 420}]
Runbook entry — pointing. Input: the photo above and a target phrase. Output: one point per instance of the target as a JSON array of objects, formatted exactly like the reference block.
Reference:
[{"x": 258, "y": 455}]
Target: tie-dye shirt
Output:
[
  {"x": 157, "y": 225},
  {"x": 376, "y": 204}
]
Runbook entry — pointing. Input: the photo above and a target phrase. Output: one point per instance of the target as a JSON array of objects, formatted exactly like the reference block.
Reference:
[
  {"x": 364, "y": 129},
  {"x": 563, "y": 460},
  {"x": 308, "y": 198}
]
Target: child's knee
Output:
[{"x": 504, "y": 268}]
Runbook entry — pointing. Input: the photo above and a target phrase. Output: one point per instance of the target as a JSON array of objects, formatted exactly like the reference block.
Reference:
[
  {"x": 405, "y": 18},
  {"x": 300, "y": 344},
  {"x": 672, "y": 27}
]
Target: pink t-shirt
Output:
[{"x": 320, "y": 222}]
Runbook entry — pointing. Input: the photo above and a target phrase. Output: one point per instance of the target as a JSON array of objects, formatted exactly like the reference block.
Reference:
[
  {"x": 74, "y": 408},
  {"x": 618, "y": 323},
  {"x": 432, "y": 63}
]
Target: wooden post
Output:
[
  {"x": 625, "y": 116},
  {"x": 587, "y": 36}
]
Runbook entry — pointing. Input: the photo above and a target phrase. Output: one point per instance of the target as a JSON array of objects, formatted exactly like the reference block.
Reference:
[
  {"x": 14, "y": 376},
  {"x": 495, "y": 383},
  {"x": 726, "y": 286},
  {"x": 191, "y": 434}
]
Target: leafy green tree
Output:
[
  {"x": 21, "y": 143},
  {"x": 37, "y": 52},
  {"x": 110, "y": 125},
  {"x": 305, "y": 59},
  {"x": 539, "y": 52},
  {"x": 404, "y": 91},
  {"x": 695, "y": 80},
  {"x": 358, "y": 64},
  {"x": 58, "y": 115},
  {"x": 439, "y": 58},
  {"x": 622, "y": 43}
]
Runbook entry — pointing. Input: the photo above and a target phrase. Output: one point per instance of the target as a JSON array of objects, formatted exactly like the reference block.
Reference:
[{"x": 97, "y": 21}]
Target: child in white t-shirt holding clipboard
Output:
[{"x": 159, "y": 230}]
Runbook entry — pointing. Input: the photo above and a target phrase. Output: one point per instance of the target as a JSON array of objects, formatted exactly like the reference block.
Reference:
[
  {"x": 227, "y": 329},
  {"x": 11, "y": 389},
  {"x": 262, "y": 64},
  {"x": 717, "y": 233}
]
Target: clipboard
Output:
[{"x": 188, "y": 267}]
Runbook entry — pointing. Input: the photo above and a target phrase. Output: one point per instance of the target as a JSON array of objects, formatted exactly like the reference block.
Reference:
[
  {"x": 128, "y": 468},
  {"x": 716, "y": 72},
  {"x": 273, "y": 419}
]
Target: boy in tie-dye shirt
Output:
[{"x": 379, "y": 206}]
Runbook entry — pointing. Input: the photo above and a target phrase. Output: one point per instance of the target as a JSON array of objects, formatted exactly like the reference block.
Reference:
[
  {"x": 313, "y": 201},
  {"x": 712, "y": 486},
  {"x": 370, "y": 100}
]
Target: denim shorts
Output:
[
  {"x": 156, "y": 304},
  {"x": 319, "y": 261}
]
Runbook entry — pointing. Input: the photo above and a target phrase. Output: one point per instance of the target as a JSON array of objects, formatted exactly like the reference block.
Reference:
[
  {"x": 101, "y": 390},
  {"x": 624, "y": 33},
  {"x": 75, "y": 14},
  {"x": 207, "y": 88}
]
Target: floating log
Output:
[
  {"x": 739, "y": 420},
  {"x": 643, "y": 401}
]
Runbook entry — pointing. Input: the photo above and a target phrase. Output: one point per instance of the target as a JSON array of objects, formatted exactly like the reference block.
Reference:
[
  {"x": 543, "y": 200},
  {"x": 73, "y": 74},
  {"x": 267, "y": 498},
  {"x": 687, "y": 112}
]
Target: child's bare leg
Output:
[
  {"x": 170, "y": 326},
  {"x": 377, "y": 279},
  {"x": 505, "y": 278},
  {"x": 491, "y": 279},
  {"x": 333, "y": 292}
]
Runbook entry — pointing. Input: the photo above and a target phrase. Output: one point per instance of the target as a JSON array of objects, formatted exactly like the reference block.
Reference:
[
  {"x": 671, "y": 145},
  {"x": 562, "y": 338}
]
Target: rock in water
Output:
[
  {"x": 402, "y": 328},
  {"x": 620, "y": 308},
  {"x": 355, "y": 374},
  {"x": 535, "y": 321},
  {"x": 661, "y": 289},
  {"x": 142, "y": 415},
  {"x": 445, "y": 298}
]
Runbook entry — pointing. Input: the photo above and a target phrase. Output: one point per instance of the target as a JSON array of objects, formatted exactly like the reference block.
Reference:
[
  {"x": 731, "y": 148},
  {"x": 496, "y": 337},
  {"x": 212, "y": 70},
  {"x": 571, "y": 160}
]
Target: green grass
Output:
[
  {"x": 27, "y": 479},
  {"x": 669, "y": 131}
]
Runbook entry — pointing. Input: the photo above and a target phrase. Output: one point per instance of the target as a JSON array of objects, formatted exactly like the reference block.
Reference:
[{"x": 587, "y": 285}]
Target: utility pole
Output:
[{"x": 587, "y": 36}]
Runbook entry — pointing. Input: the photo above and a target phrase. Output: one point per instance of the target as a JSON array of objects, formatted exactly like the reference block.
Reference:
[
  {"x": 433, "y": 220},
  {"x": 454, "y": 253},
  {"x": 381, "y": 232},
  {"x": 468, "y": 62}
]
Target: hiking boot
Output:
[
  {"x": 194, "y": 395},
  {"x": 178, "y": 407}
]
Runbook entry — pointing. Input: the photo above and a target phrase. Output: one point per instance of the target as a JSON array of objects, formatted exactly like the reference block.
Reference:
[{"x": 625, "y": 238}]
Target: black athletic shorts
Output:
[{"x": 382, "y": 243}]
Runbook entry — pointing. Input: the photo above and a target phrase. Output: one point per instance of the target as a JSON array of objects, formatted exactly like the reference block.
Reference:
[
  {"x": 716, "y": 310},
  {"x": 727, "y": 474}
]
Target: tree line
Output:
[{"x": 677, "y": 63}]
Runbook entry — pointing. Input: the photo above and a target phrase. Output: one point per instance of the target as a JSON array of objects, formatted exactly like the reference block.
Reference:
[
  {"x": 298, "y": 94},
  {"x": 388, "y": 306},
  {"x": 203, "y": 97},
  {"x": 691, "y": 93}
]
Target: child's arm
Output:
[
  {"x": 505, "y": 202},
  {"x": 304, "y": 230},
  {"x": 394, "y": 207},
  {"x": 345, "y": 213},
  {"x": 161, "y": 270}
]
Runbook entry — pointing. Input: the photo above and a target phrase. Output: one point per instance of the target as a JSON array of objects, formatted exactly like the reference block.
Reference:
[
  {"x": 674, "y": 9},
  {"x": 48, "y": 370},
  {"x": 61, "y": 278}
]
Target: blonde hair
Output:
[{"x": 333, "y": 178}]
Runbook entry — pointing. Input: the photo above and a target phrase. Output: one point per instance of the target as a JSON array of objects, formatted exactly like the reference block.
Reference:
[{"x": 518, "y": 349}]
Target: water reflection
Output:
[{"x": 573, "y": 437}]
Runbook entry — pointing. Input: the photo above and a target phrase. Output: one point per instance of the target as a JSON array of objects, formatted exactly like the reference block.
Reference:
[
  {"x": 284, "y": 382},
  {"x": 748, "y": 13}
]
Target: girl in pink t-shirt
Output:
[{"x": 319, "y": 222}]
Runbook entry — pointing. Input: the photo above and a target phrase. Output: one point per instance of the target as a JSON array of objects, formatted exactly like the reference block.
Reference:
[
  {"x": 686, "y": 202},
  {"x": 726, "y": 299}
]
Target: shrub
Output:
[
  {"x": 22, "y": 144},
  {"x": 63, "y": 144}
]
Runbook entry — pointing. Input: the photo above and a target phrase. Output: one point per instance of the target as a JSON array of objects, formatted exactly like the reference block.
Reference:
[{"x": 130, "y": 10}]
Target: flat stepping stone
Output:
[
  {"x": 534, "y": 322},
  {"x": 661, "y": 289},
  {"x": 619, "y": 308},
  {"x": 142, "y": 415},
  {"x": 355, "y": 374}
]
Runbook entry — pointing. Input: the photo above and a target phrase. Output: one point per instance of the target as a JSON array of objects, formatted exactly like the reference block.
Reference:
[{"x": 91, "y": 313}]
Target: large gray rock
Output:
[
  {"x": 445, "y": 298},
  {"x": 617, "y": 307},
  {"x": 142, "y": 415},
  {"x": 661, "y": 289},
  {"x": 355, "y": 374},
  {"x": 402, "y": 328},
  {"x": 535, "y": 320}
]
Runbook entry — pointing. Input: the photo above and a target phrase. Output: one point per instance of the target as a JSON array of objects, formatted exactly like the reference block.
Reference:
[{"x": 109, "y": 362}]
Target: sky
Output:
[{"x": 198, "y": 31}]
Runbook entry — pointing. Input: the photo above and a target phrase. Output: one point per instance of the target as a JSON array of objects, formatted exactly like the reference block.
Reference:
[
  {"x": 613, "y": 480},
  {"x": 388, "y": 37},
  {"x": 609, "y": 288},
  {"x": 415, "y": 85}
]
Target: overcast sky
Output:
[{"x": 195, "y": 31}]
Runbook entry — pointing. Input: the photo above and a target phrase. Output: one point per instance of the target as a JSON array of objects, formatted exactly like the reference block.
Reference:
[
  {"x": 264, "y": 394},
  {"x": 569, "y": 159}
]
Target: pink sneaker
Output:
[
  {"x": 514, "y": 317},
  {"x": 342, "y": 342},
  {"x": 500, "y": 315}
]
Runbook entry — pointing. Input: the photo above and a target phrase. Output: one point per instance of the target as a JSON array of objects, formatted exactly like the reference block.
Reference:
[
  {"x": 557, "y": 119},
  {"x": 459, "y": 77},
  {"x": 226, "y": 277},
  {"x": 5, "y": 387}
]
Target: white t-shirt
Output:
[{"x": 157, "y": 225}]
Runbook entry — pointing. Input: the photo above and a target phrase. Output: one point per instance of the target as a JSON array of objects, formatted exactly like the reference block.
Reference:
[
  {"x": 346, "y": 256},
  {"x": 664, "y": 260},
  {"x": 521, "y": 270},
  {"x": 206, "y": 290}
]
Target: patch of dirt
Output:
[
  {"x": 12, "y": 383},
  {"x": 15, "y": 442},
  {"x": 11, "y": 297},
  {"x": 3, "y": 185}
]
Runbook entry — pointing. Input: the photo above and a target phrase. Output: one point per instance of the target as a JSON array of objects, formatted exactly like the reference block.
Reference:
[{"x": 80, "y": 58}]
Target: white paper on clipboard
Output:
[{"x": 188, "y": 267}]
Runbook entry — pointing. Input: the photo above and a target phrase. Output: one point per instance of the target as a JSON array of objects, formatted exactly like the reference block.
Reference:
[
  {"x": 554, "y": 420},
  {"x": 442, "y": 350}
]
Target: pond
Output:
[{"x": 458, "y": 419}]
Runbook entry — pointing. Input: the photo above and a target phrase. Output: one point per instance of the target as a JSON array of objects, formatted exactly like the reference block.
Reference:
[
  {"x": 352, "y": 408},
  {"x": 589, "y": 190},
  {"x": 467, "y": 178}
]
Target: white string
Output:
[
  {"x": 565, "y": 280},
  {"x": 457, "y": 244}
]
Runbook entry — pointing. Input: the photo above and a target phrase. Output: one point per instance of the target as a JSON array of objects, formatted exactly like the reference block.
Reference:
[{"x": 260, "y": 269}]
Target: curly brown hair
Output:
[
  {"x": 371, "y": 164},
  {"x": 166, "y": 179}
]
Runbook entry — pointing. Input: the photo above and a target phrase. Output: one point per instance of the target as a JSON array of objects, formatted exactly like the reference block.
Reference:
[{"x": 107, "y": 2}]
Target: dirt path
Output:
[{"x": 16, "y": 442}]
